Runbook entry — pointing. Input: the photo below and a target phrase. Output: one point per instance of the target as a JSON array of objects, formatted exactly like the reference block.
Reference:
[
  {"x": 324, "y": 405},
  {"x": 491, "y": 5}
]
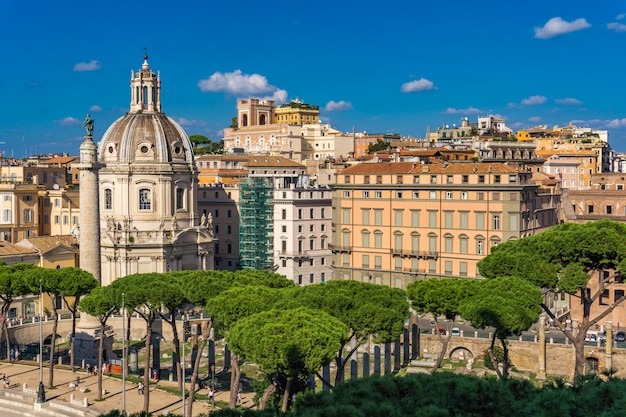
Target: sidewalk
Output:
[{"x": 160, "y": 402}]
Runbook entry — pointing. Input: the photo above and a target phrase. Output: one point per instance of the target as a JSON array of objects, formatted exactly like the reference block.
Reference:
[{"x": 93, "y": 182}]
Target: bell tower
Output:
[{"x": 145, "y": 89}]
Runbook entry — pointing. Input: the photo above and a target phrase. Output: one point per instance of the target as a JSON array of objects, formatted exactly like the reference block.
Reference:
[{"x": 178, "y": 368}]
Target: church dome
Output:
[
  {"x": 145, "y": 134},
  {"x": 145, "y": 137}
]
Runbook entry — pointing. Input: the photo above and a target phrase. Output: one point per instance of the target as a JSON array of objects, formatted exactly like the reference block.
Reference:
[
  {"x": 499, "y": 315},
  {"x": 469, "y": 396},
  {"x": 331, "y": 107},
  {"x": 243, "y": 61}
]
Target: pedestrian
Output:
[
  {"x": 238, "y": 397},
  {"x": 88, "y": 369},
  {"x": 104, "y": 368},
  {"x": 7, "y": 381},
  {"x": 140, "y": 388},
  {"x": 11, "y": 355},
  {"x": 212, "y": 397}
]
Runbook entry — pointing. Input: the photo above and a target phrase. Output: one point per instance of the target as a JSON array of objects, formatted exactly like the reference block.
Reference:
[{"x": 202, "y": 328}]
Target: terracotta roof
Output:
[
  {"x": 412, "y": 168},
  {"x": 47, "y": 243},
  {"x": 62, "y": 160},
  {"x": 9, "y": 249},
  {"x": 253, "y": 160}
]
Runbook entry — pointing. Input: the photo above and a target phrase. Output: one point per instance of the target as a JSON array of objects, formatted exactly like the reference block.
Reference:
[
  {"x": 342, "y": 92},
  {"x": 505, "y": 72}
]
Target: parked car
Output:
[
  {"x": 442, "y": 330},
  {"x": 591, "y": 336},
  {"x": 456, "y": 331},
  {"x": 620, "y": 336}
]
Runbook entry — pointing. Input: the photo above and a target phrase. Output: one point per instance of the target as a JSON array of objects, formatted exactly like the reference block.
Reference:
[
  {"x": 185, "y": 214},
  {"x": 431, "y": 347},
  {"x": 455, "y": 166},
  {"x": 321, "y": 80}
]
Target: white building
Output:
[
  {"x": 302, "y": 233},
  {"x": 148, "y": 186}
]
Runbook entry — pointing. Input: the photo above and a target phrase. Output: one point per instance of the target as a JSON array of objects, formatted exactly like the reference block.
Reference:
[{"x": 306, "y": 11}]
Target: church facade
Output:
[{"x": 147, "y": 191}]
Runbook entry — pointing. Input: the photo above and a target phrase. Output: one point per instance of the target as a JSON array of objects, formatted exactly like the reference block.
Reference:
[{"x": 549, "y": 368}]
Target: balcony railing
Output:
[
  {"x": 340, "y": 249},
  {"x": 415, "y": 254}
]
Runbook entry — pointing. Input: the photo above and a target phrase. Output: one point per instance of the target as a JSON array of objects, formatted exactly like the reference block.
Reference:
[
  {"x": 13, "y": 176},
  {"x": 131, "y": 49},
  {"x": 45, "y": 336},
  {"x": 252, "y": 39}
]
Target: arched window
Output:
[
  {"x": 145, "y": 199},
  {"x": 108, "y": 199},
  {"x": 262, "y": 119},
  {"x": 244, "y": 120}
]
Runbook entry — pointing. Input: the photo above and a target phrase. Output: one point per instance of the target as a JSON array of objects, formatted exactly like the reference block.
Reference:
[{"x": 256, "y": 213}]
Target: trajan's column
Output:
[
  {"x": 86, "y": 339},
  {"x": 89, "y": 204}
]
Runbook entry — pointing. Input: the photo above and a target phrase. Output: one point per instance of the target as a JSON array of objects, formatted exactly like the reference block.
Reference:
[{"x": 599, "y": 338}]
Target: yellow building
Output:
[
  {"x": 19, "y": 205},
  {"x": 397, "y": 222},
  {"x": 297, "y": 113}
]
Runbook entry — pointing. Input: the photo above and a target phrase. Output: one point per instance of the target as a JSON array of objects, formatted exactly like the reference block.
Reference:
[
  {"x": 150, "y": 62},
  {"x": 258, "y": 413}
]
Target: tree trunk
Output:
[
  {"x": 286, "y": 395},
  {"x": 73, "y": 339},
  {"x": 146, "y": 371},
  {"x": 53, "y": 341},
  {"x": 176, "y": 356},
  {"x": 235, "y": 377},
  {"x": 196, "y": 367},
  {"x": 5, "y": 327},
  {"x": 100, "y": 351},
  {"x": 493, "y": 358},
  {"x": 505, "y": 365},
  {"x": 267, "y": 394},
  {"x": 444, "y": 348},
  {"x": 579, "y": 346}
]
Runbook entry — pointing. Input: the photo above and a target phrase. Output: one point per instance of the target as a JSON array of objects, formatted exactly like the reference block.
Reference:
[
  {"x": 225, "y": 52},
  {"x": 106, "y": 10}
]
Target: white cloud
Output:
[
  {"x": 569, "y": 101},
  {"x": 418, "y": 85},
  {"x": 534, "y": 119},
  {"x": 242, "y": 85},
  {"x": 469, "y": 110},
  {"x": 616, "y": 27},
  {"x": 279, "y": 96},
  {"x": 512, "y": 105},
  {"x": 69, "y": 121},
  {"x": 95, "y": 108},
  {"x": 92, "y": 65},
  {"x": 557, "y": 26},
  {"x": 186, "y": 122},
  {"x": 533, "y": 101},
  {"x": 620, "y": 16},
  {"x": 615, "y": 123},
  {"x": 338, "y": 106}
]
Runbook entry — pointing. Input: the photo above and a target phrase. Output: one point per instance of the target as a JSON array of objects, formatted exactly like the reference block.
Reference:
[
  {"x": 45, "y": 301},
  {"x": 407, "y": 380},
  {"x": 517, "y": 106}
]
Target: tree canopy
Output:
[
  {"x": 564, "y": 258},
  {"x": 290, "y": 343},
  {"x": 509, "y": 304},
  {"x": 440, "y": 297},
  {"x": 366, "y": 309}
]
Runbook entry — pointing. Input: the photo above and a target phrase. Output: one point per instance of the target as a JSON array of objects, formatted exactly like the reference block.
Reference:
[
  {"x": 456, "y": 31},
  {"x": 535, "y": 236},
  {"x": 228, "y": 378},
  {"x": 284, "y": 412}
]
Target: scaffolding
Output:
[{"x": 256, "y": 223}]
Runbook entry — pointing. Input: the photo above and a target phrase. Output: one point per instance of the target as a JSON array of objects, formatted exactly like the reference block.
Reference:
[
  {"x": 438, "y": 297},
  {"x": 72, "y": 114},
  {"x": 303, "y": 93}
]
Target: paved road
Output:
[{"x": 160, "y": 401}]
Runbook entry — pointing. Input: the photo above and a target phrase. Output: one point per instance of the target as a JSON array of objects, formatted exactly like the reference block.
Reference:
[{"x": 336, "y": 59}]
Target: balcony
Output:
[
  {"x": 292, "y": 254},
  {"x": 414, "y": 254},
  {"x": 340, "y": 249}
]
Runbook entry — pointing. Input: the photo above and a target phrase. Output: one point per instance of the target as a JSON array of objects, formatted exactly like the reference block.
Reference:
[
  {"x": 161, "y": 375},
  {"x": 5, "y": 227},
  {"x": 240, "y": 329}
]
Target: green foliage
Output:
[
  {"x": 498, "y": 355},
  {"x": 199, "y": 140},
  {"x": 380, "y": 145},
  {"x": 288, "y": 342},
  {"x": 366, "y": 309},
  {"x": 555, "y": 257},
  {"x": 203, "y": 145},
  {"x": 448, "y": 395},
  {"x": 440, "y": 297},
  {"x": 243, "y": 301},
  {"x": 509, "y": 304}
]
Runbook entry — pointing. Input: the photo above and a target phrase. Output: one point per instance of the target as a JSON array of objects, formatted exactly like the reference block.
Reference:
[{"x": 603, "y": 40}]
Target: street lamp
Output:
[
  {"x": 123, "y": 358},
  {"x": 41, "y": 393},
  {"x": 183, "y": 364}
]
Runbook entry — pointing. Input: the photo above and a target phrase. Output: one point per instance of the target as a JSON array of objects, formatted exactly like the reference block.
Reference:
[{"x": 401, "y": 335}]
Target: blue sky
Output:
[{"x": 398, "y": 66}]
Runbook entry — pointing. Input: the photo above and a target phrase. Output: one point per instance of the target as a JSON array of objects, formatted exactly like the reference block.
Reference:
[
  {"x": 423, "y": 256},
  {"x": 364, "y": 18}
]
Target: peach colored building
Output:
[{"x": 395, "y": 222}]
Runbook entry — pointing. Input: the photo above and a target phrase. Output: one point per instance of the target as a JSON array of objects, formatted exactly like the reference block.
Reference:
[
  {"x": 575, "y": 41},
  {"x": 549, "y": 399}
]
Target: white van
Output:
[{"x": 592, "y": 336}]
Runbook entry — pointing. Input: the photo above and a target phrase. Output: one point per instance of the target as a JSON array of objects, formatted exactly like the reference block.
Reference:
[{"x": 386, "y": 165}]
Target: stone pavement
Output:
[{"x": 161, "y": 402}]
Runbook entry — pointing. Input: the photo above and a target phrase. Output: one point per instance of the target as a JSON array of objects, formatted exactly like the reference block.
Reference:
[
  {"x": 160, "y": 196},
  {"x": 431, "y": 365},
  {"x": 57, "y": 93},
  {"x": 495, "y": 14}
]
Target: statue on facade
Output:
[
  {"x": 88, "y": 124},
  {"x": 209, "y": 221},
  {"x": 174, "y": 225},
  {"x": 203, "y": 220}
]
